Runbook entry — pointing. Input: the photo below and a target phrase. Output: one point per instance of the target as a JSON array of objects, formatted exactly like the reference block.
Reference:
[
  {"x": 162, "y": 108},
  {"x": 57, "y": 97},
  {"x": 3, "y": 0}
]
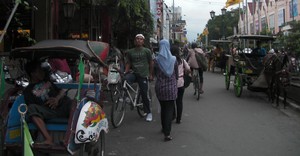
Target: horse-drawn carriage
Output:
[
  {"x": 217, "y": 57},
  {"x": 84, "y": 130},
  {"x": 247, "y": 64}
]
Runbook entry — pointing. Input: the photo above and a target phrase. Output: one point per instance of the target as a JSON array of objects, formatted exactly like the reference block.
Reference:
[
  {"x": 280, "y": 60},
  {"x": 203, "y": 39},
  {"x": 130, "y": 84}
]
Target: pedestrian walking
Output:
[
  {"x": 183, "y": 68},
  {"x": 166, "y": 72},
  {"x": 139, "y": 60}
]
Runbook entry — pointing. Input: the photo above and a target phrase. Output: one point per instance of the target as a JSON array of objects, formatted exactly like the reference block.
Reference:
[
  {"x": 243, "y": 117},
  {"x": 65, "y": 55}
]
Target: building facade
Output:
[
  {"x": 168, "y": 22},
  {"x": 268, "y": 15}
]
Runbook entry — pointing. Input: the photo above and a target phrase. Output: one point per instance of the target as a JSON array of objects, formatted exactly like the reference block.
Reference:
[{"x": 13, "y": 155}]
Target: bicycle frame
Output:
[
  {"x": 127, "y": 88},
  {"x": 195, "y": 73},
  {"x": 135, "y": 101},
  {"x": 195, "y": 77}
]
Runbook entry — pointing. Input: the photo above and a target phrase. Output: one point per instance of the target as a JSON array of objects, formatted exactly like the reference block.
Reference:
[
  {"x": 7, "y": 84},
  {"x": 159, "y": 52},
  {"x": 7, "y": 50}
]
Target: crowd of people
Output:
[
  {"x": 46, "y": 101},
  {"x": 168, "y": 68}
]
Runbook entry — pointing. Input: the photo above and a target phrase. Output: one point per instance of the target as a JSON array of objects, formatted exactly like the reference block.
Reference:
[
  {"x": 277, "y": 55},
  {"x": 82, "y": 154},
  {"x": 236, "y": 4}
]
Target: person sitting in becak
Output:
[{"x": 45, "y": 101}]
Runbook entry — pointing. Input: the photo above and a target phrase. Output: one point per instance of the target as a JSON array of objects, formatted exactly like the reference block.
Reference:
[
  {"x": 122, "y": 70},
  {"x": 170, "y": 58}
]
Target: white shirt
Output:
[{"x": 183, "y": 66}]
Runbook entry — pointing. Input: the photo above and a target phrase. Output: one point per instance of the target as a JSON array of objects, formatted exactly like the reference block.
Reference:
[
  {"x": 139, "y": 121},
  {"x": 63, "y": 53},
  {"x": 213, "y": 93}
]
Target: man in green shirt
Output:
[{"x": 139, "y": 60}]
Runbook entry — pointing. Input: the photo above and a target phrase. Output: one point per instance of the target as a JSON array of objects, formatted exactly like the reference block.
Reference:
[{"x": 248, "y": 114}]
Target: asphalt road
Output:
[{"x": 219, "y": 124}]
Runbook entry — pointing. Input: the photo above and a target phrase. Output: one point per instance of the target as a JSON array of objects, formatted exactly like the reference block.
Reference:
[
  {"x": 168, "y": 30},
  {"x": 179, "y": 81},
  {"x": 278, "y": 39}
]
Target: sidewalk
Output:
[{"x": 293, "y": 93}]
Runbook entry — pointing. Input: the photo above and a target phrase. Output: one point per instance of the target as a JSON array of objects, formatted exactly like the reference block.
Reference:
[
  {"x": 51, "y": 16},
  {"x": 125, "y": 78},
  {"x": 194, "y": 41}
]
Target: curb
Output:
[
  {"x": 295, "y": 84},
  {"x": 292, "y": 104}
]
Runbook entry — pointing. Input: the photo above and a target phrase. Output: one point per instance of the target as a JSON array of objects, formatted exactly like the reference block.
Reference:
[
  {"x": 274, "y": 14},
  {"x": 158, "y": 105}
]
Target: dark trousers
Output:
[
  {"x": 179, "y": 105},
  {"x": 167, "y": 110},
  {"x": 143, "y": 84}
]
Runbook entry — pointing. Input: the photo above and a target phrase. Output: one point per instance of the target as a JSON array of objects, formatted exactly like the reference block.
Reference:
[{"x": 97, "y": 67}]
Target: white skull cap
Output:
[{"x": 140, "y": 35}]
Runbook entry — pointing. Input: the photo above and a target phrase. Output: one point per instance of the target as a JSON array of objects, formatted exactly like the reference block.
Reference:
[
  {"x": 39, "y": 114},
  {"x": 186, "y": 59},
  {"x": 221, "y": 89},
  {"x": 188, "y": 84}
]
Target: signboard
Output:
[{"x": 159, "y": 9}]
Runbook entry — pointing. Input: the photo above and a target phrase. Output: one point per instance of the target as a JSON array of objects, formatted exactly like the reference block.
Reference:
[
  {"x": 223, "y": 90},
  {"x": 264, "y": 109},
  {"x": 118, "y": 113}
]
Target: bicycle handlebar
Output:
[{"x": 122, "y": 74}]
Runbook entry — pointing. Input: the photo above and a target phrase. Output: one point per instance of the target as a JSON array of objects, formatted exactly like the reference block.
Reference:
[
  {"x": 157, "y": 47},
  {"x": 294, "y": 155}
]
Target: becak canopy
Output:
[{"x": 91, "y": 50}]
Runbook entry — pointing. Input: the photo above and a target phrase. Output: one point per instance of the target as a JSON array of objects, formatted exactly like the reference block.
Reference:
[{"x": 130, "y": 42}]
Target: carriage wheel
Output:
[
  {"x": 227, "y": 77},
  {"x": 238, "y": 85}
]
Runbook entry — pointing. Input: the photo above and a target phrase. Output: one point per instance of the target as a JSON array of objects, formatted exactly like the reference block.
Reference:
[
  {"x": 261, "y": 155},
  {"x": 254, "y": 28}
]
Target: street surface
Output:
[{"x": 219, "y": 124}]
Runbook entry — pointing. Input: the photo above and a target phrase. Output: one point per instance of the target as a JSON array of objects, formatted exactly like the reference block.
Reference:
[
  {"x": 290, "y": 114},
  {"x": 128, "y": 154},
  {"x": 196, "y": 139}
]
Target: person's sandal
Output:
[{"x": 168, "y": 138}]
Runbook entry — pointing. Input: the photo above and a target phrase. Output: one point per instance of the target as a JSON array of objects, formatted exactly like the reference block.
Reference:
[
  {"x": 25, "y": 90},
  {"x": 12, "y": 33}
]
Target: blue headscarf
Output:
[{"x": 165, "y": 59}]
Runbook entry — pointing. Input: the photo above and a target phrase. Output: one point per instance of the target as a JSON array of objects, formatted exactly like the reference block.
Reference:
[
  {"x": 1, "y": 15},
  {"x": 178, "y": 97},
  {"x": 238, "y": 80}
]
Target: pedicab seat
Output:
[
  {"x": 57, "y": 124},
  {"x": 61, "y": 124}
]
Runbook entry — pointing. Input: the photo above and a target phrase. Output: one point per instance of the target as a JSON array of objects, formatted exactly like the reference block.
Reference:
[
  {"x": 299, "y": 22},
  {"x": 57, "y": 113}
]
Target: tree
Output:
[
  {"x": 216, "y": 24},
  {"x": 15, "y": 35},
  {"x": 291, "y": 41},
  {"x": 128, "y": 19}
]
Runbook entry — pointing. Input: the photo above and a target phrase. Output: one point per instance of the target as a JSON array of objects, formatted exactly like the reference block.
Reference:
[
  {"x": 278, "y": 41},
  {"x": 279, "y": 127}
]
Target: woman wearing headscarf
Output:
[{"x": 166, "y": 72}]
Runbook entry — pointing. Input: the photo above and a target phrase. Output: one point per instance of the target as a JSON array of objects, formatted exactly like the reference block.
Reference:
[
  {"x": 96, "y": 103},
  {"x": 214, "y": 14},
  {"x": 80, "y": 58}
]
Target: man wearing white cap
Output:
[{"x": 139, "y": 59}]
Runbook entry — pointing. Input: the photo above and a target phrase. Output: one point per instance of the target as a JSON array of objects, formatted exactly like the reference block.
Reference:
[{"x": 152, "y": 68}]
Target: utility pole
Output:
[
  {"x": 173, "y": 25},
  {"x": 9, "y": 20},
  {"x": 253, "y": 11},
  {"x": 247, "y": 17},
  {"x": 259, "y": 20},
  {"x": 162, "y": 21}
]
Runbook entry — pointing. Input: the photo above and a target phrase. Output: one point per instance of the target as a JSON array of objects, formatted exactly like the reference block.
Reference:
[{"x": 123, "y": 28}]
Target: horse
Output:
[{"x": 277, "y": 76}]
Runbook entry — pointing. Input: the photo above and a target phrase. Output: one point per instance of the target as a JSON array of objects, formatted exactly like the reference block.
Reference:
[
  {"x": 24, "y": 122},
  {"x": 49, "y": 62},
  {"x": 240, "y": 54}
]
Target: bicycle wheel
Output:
[
  {"x": 195, "y": 83},
  {"x": 198, "y": 87},
  {"x": 118, "y": 110},
  {"x": 114, "y": 91},
  {"x": 140, "y": 106}
]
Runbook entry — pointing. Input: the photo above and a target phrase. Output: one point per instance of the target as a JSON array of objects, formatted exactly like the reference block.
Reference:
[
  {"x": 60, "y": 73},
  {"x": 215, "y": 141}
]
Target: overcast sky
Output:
[{"x": 196, "y": 13}]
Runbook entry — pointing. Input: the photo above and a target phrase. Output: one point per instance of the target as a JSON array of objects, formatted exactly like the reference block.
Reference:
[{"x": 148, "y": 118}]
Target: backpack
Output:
[
  {"x": 201, "y": 60},
  {"x": 187, "y": 78}
]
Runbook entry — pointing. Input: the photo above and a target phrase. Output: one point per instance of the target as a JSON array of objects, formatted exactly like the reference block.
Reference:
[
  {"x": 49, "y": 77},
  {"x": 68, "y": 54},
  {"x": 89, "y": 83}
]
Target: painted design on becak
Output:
[{"x": 93, "y": 115}]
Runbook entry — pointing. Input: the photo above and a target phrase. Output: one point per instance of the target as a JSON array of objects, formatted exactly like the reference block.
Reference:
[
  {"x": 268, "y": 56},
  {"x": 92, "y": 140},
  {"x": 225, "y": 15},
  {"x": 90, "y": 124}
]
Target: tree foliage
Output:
[
  {"x": 128, "y": 19},
  {"x": 291, "y": 42},
  {"x": 15, "y": 35},
  {"x": 218, "y": 23}
]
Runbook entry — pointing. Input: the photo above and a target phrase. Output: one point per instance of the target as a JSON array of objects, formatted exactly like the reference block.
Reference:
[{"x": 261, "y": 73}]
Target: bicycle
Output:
[
  {"x": 127, "y": 94},
  {"x": 196, "y": 83}
]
